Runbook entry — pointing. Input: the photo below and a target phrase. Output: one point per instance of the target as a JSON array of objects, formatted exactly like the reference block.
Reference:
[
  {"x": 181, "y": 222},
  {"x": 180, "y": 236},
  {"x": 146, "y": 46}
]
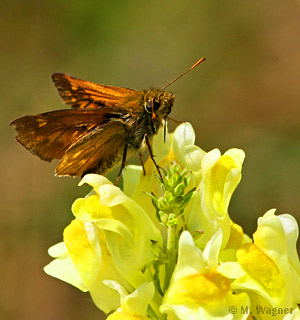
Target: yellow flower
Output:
[
  {"x": 84, "y": 261},
  {"x": 133, "y": 306},
  {"x": 197, "y": 289},
  {"x": 184, "y": 150},
  {"x": 127, "y": 228},
  {"x": 208, "y": 210},
  {"x": 268, "y": 269}
]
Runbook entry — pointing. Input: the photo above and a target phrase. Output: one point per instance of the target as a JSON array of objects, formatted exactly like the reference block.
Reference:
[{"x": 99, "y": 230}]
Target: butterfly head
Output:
[{"x": 158, "y": 103}]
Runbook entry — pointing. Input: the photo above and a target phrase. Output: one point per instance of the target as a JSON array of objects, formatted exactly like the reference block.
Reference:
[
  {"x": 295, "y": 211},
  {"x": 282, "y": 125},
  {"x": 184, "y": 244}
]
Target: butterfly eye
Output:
[{"x": 149, "y": 106}]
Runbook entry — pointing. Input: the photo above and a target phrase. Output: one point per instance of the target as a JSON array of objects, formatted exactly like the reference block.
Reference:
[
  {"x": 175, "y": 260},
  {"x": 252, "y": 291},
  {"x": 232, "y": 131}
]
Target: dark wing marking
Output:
[
  {"x": 97, "y": 151},
  {"x": 84, "y": 94}
]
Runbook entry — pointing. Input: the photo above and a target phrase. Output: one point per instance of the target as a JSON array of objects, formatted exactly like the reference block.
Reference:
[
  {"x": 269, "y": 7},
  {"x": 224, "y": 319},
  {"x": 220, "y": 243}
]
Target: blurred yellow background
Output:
[{"x": 245, "y": 95}]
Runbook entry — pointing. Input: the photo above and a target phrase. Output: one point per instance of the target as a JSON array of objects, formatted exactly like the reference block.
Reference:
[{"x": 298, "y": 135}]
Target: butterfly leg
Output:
[
  {"x": 174, "y": 120},
  {"x": 142, "y": 163},
  {"x": 123, "y": 164},
  {"x": 165, "y": 129},
  {"x": 152, "y": 156}
]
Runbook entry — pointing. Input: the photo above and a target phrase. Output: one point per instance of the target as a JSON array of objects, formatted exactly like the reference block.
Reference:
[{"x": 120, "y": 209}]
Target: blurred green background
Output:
[{"x": 245, "y": 95}]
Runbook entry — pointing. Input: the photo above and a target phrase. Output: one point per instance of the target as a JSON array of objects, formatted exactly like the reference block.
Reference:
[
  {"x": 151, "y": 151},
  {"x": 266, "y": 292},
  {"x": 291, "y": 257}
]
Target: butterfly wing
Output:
[
  {"x": 97, "y": 151},
  {"x": 84, "y": 94},
  {"x": 49, "y": 135}
]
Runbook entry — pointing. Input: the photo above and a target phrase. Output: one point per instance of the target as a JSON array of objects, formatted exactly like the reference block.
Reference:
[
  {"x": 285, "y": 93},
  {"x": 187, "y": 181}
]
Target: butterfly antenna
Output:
[{"x": 190, "y": 69}]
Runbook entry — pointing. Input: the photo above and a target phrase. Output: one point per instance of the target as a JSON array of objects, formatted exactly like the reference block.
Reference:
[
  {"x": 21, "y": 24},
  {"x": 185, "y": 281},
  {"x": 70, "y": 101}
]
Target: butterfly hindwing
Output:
[{"x": 97, "y": 151}]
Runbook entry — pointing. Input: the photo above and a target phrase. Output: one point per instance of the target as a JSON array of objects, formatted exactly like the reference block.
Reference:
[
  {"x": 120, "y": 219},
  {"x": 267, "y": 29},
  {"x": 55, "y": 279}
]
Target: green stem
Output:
[
  {"x": 171, "y": 255},
  {"x": 153, "y": 309},
  {"x": 152, "y": 314}
]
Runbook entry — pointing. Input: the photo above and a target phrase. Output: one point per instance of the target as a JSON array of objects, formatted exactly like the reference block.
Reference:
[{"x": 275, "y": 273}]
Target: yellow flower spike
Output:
[
  {"x": 197, "y": 290},
  {"x": 118, "y": 243}
]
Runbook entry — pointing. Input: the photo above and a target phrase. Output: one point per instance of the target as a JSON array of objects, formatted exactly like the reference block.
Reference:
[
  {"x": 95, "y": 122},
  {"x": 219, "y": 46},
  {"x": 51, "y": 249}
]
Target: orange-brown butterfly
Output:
[{"x": 104, "y": 124}]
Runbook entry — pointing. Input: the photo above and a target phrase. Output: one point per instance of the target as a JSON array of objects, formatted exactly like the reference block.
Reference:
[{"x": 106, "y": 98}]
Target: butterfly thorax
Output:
[{"x": 148, "y": 109}]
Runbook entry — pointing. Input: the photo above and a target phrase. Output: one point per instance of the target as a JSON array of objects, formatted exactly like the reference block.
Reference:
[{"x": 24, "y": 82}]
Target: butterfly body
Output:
[
  {"x": 147, "y": 119},
  {"x": 104, "y": 124}
]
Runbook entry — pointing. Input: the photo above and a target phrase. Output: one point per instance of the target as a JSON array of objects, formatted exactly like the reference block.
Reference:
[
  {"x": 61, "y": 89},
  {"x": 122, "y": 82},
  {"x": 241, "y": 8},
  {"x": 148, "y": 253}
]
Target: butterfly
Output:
[{"x": 104, "y": 125}]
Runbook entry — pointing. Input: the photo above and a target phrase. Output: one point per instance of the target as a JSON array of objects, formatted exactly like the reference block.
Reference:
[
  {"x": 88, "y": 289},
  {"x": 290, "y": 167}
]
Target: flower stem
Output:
[
  {"x": 153, "y": 309},
  {"x": 171, "y": 255},
  {"x": 152, "y": 314}
]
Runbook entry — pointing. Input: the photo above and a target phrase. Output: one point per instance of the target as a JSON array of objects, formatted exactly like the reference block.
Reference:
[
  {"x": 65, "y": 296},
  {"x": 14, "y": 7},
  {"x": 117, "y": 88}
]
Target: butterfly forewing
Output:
[{"x": 84, "y": 94}]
